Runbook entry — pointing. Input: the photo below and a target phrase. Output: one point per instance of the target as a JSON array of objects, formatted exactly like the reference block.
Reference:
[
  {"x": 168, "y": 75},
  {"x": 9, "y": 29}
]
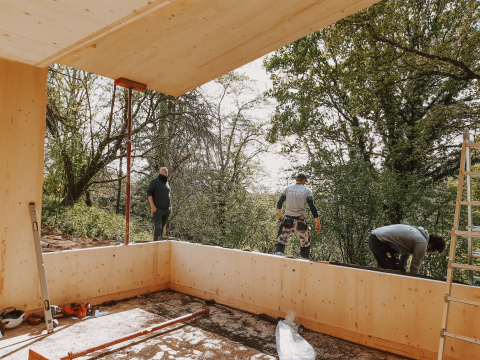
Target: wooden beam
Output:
[
  {"x": 130, "y": 84},
  {"x": 36, "y": 353}
]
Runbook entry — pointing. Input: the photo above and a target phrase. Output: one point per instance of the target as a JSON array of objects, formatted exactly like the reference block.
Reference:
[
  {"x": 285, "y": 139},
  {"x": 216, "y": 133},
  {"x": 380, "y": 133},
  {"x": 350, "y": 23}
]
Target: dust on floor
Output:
[{"x": 227, "y": 334}]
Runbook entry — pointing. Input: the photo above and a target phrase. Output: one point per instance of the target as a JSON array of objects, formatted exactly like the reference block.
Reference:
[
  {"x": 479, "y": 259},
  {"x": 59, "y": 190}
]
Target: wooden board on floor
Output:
[{"x": 36, "y": 353}]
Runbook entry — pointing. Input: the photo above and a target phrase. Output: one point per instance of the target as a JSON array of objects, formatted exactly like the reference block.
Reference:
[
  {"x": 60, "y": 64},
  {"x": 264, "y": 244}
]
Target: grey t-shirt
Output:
[
  {"x": 406, "y": 240},
  {"x": 297, "y": 196}
]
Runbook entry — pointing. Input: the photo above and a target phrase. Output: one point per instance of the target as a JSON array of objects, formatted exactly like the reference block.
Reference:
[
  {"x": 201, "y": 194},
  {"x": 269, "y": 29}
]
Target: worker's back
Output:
[{"x": 297, "y": 195}]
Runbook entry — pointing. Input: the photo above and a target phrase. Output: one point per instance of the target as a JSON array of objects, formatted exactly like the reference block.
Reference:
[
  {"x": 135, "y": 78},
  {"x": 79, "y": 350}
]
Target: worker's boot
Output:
[
  {"x": 305, "y": 252},
  {"x": 279, "y": 249},
  {"x": 157, "y": 235}
]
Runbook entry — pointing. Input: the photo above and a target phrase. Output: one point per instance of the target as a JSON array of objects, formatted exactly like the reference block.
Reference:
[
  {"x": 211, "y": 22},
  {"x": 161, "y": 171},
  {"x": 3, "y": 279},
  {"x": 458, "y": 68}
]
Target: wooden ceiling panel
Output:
[
  {"x": 57, "y": 24},
  {"x": 172, "y": 46}
]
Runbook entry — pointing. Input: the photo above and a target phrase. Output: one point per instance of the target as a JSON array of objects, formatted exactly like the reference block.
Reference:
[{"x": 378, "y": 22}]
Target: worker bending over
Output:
[
  {"x": 392, "y": 245},
  {"x": 297, "y": 197}
]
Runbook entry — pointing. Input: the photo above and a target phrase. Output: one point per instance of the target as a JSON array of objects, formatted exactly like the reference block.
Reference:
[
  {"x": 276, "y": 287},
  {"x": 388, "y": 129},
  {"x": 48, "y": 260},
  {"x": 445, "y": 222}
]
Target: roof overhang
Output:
[{"x": 173, "y": 46}]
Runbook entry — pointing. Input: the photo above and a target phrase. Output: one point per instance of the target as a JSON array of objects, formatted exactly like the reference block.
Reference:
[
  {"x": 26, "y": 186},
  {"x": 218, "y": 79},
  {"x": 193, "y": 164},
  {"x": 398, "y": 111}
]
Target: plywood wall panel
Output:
[
  {"x": 22, "y": 123},
  {"x": 396, "y": 313},
  {"x": 96, "y": 272}
]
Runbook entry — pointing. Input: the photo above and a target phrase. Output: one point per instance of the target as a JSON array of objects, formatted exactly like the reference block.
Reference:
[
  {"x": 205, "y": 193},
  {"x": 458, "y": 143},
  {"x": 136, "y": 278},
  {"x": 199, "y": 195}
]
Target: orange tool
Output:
[{"x": 77, "y": 309}]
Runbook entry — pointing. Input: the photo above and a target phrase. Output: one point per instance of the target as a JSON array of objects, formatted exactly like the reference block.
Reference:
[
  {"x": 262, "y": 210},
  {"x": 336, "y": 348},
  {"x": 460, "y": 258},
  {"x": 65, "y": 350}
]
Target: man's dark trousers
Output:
[
  {"x": 161, "y": 217},
  {"x": 387, "y": 256}
]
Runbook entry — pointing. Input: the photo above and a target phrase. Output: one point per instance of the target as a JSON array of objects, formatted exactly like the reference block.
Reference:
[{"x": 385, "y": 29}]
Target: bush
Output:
[{"x": 81, "y": 219}]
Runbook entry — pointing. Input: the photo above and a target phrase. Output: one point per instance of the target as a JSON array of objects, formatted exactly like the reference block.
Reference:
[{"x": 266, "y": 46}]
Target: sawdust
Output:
[
  {"x": 227, "y": 333},
  {"x": 59, "y": 241}
]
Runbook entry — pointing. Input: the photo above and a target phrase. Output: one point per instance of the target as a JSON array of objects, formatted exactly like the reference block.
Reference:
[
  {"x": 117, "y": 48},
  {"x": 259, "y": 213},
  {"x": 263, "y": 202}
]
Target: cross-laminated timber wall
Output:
[{"x": 395, "y": 313}]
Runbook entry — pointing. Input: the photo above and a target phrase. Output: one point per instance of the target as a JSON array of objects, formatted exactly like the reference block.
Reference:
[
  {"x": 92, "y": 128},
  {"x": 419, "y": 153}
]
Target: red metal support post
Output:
[
  {"x": 129, "y": 164},
  {"x": 131, "y": 85}
]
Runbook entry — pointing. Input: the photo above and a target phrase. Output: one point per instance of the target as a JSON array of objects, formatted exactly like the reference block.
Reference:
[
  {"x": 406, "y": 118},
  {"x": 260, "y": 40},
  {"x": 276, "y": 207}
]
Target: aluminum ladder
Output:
[{"x": 472, "y": 232}]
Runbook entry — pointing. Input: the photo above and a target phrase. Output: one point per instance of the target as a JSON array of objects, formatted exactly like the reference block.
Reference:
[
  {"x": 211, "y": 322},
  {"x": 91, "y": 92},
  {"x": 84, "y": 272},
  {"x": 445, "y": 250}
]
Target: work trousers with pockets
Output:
[
  {"x": 300, "y": 227},
  {"x": 161, "y": 217},
  {"x": 387, "y": 257}
]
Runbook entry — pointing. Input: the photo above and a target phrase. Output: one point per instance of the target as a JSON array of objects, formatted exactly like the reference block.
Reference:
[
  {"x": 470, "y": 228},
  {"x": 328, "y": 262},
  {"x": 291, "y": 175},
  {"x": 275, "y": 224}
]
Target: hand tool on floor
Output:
[
  {"x": 80, "y": 310},
  {"x": 41, "y": 268}
]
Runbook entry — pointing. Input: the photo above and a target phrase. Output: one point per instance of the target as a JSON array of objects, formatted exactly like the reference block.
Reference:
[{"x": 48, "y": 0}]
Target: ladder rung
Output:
[
  {"x": 474, "y": 228},
  {"x": 460, "y": 337},
  {"x": 474, "y": 203},
  {"x": 463, "y": 301},
  {"x": 472, "y": 173},
  {"x": 476, "y": 254},
  {"x": 472, "y": 145},
  {"x": 465, "y": 233},
  {"x": 464, "y": 266}
]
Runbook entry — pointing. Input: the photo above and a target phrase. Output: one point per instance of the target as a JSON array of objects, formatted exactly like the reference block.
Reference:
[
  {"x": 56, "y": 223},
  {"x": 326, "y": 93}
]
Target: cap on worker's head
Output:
[{"x": 301, "y": 176}]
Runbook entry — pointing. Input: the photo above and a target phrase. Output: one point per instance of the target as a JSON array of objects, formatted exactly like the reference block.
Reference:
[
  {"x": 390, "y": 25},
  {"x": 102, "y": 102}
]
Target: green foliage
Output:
[
  {"x": 382, "y": 93},
  {"x": 90, "y": 221},
  {"x": 215, "y": 199},
  {"x": 378, "y": 101}
]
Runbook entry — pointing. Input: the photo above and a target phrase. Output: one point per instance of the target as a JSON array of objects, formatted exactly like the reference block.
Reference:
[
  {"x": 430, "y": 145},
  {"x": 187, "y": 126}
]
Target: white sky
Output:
[{"x": 273, "y": 163}]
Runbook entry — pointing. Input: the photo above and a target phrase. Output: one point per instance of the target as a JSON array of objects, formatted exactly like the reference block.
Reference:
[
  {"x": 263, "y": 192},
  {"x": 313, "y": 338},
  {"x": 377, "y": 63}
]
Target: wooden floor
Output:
[{"x": 227, "y": 334}]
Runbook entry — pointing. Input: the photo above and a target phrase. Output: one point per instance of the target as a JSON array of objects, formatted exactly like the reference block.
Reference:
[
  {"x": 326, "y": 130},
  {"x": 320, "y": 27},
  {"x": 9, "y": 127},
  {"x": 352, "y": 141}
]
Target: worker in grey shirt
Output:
[
  {"x": 392, "y": 245},
  {"x": 295, "y": 219}
]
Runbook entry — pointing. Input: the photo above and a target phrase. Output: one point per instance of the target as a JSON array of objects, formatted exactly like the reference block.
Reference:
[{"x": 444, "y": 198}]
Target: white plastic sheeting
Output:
[{"x": 290, "y": 345}]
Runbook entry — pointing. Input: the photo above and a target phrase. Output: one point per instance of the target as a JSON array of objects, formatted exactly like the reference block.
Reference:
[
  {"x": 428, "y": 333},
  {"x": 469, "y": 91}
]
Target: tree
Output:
[
  {"x": 378, "y": 85},
  {"x": 224, "y": 204},
  {"x": 86, "y": 129}
]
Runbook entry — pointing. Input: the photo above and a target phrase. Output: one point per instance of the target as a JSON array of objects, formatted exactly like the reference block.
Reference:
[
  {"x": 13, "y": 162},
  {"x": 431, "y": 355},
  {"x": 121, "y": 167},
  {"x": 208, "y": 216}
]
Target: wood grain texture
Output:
[
  {"x": 40, "y": 29},
  {"x": 173, "y": 46},
  {"x": 22, "y": 123},
  {"x": 402, "y": 313},
  {"x": 107, "y": 273},
  {"x": 36, "y": 353},
  {"x": 395, "y": 313}
]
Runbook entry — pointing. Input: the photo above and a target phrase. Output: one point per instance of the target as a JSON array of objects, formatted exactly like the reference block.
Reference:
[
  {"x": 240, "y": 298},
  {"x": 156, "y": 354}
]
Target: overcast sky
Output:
[{"x": 273, "y": 163}]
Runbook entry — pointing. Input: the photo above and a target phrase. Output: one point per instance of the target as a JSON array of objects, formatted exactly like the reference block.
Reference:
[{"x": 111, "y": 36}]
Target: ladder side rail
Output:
[
  {"x": 446, "y": 304},
  {"x": 460, "y": 185},
  {"x": 452, "y": 249},
  {"x": 469, "y": 207}
]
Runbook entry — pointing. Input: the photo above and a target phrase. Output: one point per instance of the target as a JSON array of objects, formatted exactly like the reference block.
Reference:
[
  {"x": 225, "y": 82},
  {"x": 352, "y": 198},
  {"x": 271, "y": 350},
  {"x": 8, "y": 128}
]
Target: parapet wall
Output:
[
  {"x": 400, "y": 314},
  {"x": 106, "y": 273},
  {"x": 395, "y": 313}
]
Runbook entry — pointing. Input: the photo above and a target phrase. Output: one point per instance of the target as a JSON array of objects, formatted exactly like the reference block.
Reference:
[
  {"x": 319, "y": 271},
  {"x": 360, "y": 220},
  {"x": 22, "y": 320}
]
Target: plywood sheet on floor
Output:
[{"x": 227, "y": 334}]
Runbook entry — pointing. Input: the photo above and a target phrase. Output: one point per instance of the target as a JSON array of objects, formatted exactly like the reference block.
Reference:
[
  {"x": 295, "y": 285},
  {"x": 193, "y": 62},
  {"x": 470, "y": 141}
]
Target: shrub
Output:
[{"x": 90, "y": 221}]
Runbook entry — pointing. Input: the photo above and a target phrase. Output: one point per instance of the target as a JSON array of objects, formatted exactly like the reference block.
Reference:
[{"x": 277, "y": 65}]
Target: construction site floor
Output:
[{"x": 227, "y": 334}]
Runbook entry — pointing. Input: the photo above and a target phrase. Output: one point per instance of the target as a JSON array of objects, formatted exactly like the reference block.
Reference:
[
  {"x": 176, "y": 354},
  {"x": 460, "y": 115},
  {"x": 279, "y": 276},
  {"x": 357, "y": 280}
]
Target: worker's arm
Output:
[
  {"x": 314, "y": 211},
  {"x": 150, "y": 200},
  {"x": 150, "y": 192},
  {"x": 404, "y": 261},
  {"x": 418, "y": 253},
  {"x": 279, "y": 205}
]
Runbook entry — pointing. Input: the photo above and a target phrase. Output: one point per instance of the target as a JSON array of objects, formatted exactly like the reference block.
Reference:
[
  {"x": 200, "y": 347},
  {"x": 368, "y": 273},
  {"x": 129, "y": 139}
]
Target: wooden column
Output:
[{"x": 22, "y": 134}]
